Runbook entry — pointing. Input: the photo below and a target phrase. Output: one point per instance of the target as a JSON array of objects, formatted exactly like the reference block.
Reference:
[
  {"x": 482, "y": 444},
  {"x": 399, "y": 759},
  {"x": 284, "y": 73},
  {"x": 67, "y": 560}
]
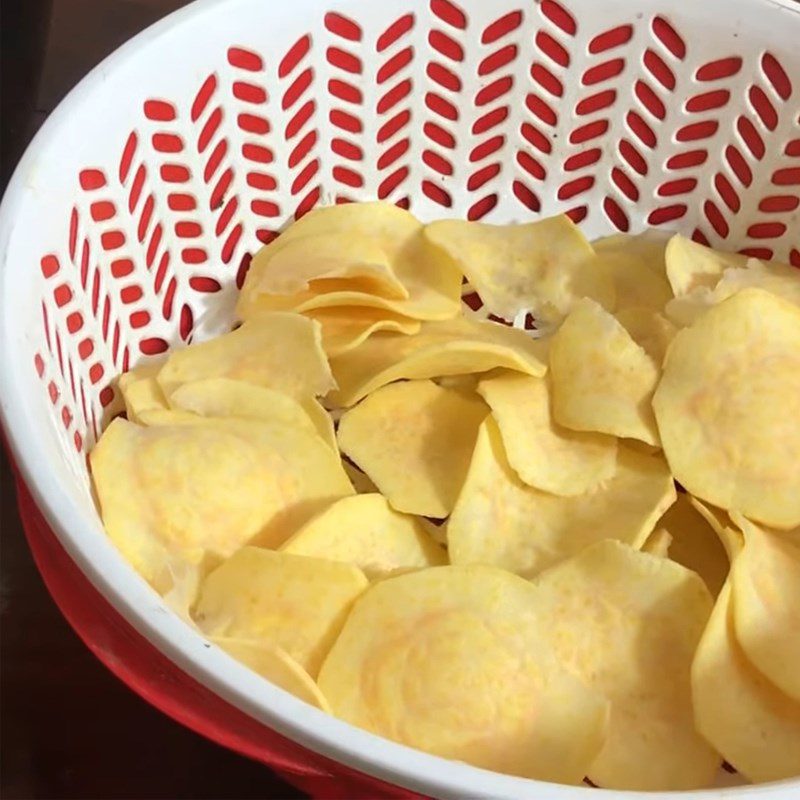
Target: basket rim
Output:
[{"x": 188, "y": 649}]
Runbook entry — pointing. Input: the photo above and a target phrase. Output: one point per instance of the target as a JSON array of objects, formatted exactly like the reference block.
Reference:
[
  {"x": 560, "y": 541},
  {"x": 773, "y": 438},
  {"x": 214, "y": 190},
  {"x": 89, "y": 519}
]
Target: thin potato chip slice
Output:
[
  {"x": 543, "y": 454},
  {"x": 179, "y": 493},
  {"x": 451, "y": 660},
  {"x": 454, "y": 347},
  {"x": 731, "y": 538},
  {"x": 721, "y": 407},
  {"x": 344, "y": 329},
  {"x": 276, "y": 665},
  {"x": 543, "y": 267},
  {"x": 414, "y": 439},
  {"x": 279, "y": 351},
  {"x": 294, "y": 264},
  {"x": 365, "y": 531},
  {"x": 778, "y": 279},
  {"x": 637, "y": 272},
  {"x": 432, "y": 285},
  {"x": 140, "y": 390},
  {"x": 695, "y": 544},
  {"x": 691, "y": 266},
  {"x": 602, "y": 380},
  {"x": 156, "y": 417},
  {"x": 648, "y": 248},
  {"x": 627, "y": 624},
  {"x": 651, "y": 330},
  {"x": 500, "y": 520},
  {"x": 223, "y": 397},
  {"x": 751, "y": 723},
  {"x": 658, "y": 543},
  {"x": 766, "y": 604},
  {"x": 294, "y": 602}
]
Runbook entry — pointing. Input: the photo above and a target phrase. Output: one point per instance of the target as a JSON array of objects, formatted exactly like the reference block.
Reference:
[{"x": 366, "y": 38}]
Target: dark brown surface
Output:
[{"x": 68, "y": 728}]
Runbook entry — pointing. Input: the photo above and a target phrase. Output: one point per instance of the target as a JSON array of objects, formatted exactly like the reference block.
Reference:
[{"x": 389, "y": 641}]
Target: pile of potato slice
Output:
[{"x": 565, "y": 553}]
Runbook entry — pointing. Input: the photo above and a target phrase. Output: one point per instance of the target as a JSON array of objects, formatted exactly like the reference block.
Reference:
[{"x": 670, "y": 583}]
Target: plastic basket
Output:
[{"x": 130, "y": 222}]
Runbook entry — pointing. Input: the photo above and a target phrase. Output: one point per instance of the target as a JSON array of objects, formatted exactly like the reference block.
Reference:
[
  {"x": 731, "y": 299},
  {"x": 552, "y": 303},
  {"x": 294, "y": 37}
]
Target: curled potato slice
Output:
[
  {"x": 650, "y": 329},
  {"x": 294, "y": 602},
  {"x": 627, "y": 624},
  {"x": 431, "y": 284},
  {"x": 223, "y": 397},
  {"x": 365, "y": 531},
  {"x": 414, "y": 439},
  {"x": 658, "y": 543},
  {"x": 280, "y": 351},
  {"x": 451, "y": 660},
  {"x": 344, "y": 329},
  {"x": 276, "y": 665},
  {"x": 179, "y": 493},
  {"x": 721, "y": 407},
  {"x": 140, "y": 390},
  {"x": 290, "y": 266},
  {"x": 602, "y": 380},
  {"x": 692, "y": 266},
  {"x": 635, "y": 266},
  {"x": 778, "y": 279},
  {"x": 543, "y": 454},
  {"x": 766, "y": 603},
  {"x": 453, "y": 347},
  {"x": 500, "y": 520},
  {"x": 543, "y": 267},
  {"x": 750, "y": 722},
  {"x": 696, "y": 544}
]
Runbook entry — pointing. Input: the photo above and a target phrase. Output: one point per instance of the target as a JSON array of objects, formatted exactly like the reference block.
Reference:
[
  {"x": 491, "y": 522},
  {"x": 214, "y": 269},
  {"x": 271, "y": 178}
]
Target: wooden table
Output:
[{"x": 68, "y": 728}]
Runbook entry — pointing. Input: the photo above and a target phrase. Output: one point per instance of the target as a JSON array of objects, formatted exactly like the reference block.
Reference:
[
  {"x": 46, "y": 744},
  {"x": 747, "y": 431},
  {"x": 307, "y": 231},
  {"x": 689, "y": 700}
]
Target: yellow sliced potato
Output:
[
  {"x": 414, "y": 439},
  {"x": 500, "y": 520},
  {"x": 648, "y": 248},
  {"x": 722, "y": 410},
  {"x": 453, "y": 347},
  {"x": 156, "y": 417},
  {"x": 344, "y": 329},
  {"x": 543, "y": 454},
  {"x": 364, "y": 530},
  {"x": 779, "y": 279},
  {"x": 691, "y": 266},
  {"x": 294, "y": 602},
  {"x": 451, "y": 660},
  {"x": 650, "y": 329},
  {"x": 627, "y": 624},
  {"x": 636, "y": 270},
  {"x": 276, "y": 665},
  {"x": 766, "y": 603},
  {"x": 140, "y": 390},
  {"x": 751, "y": 723},
  {"x": 224, "y": 397},
  {"x": 658, "y": 543},
  {"x": 431, "y": 283},
  {"x": 543, "y": 267},
  {"x": 288, "y": 267},
  {"x": 280, "y": 351},
  {"x": 731, "y": 538},
  {"x": 695, "y": 544},
  {"x": 602, "y": 380},
  {"x": 180, "y": 493}
]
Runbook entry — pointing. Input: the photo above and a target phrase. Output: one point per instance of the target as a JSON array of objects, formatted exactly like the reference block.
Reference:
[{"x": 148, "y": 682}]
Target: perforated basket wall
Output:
[{"x": 497, "y": 111}]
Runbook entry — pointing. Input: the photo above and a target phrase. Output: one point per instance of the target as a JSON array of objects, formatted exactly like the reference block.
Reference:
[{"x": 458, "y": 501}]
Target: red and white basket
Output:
[{"x": 130, "y": 222}]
